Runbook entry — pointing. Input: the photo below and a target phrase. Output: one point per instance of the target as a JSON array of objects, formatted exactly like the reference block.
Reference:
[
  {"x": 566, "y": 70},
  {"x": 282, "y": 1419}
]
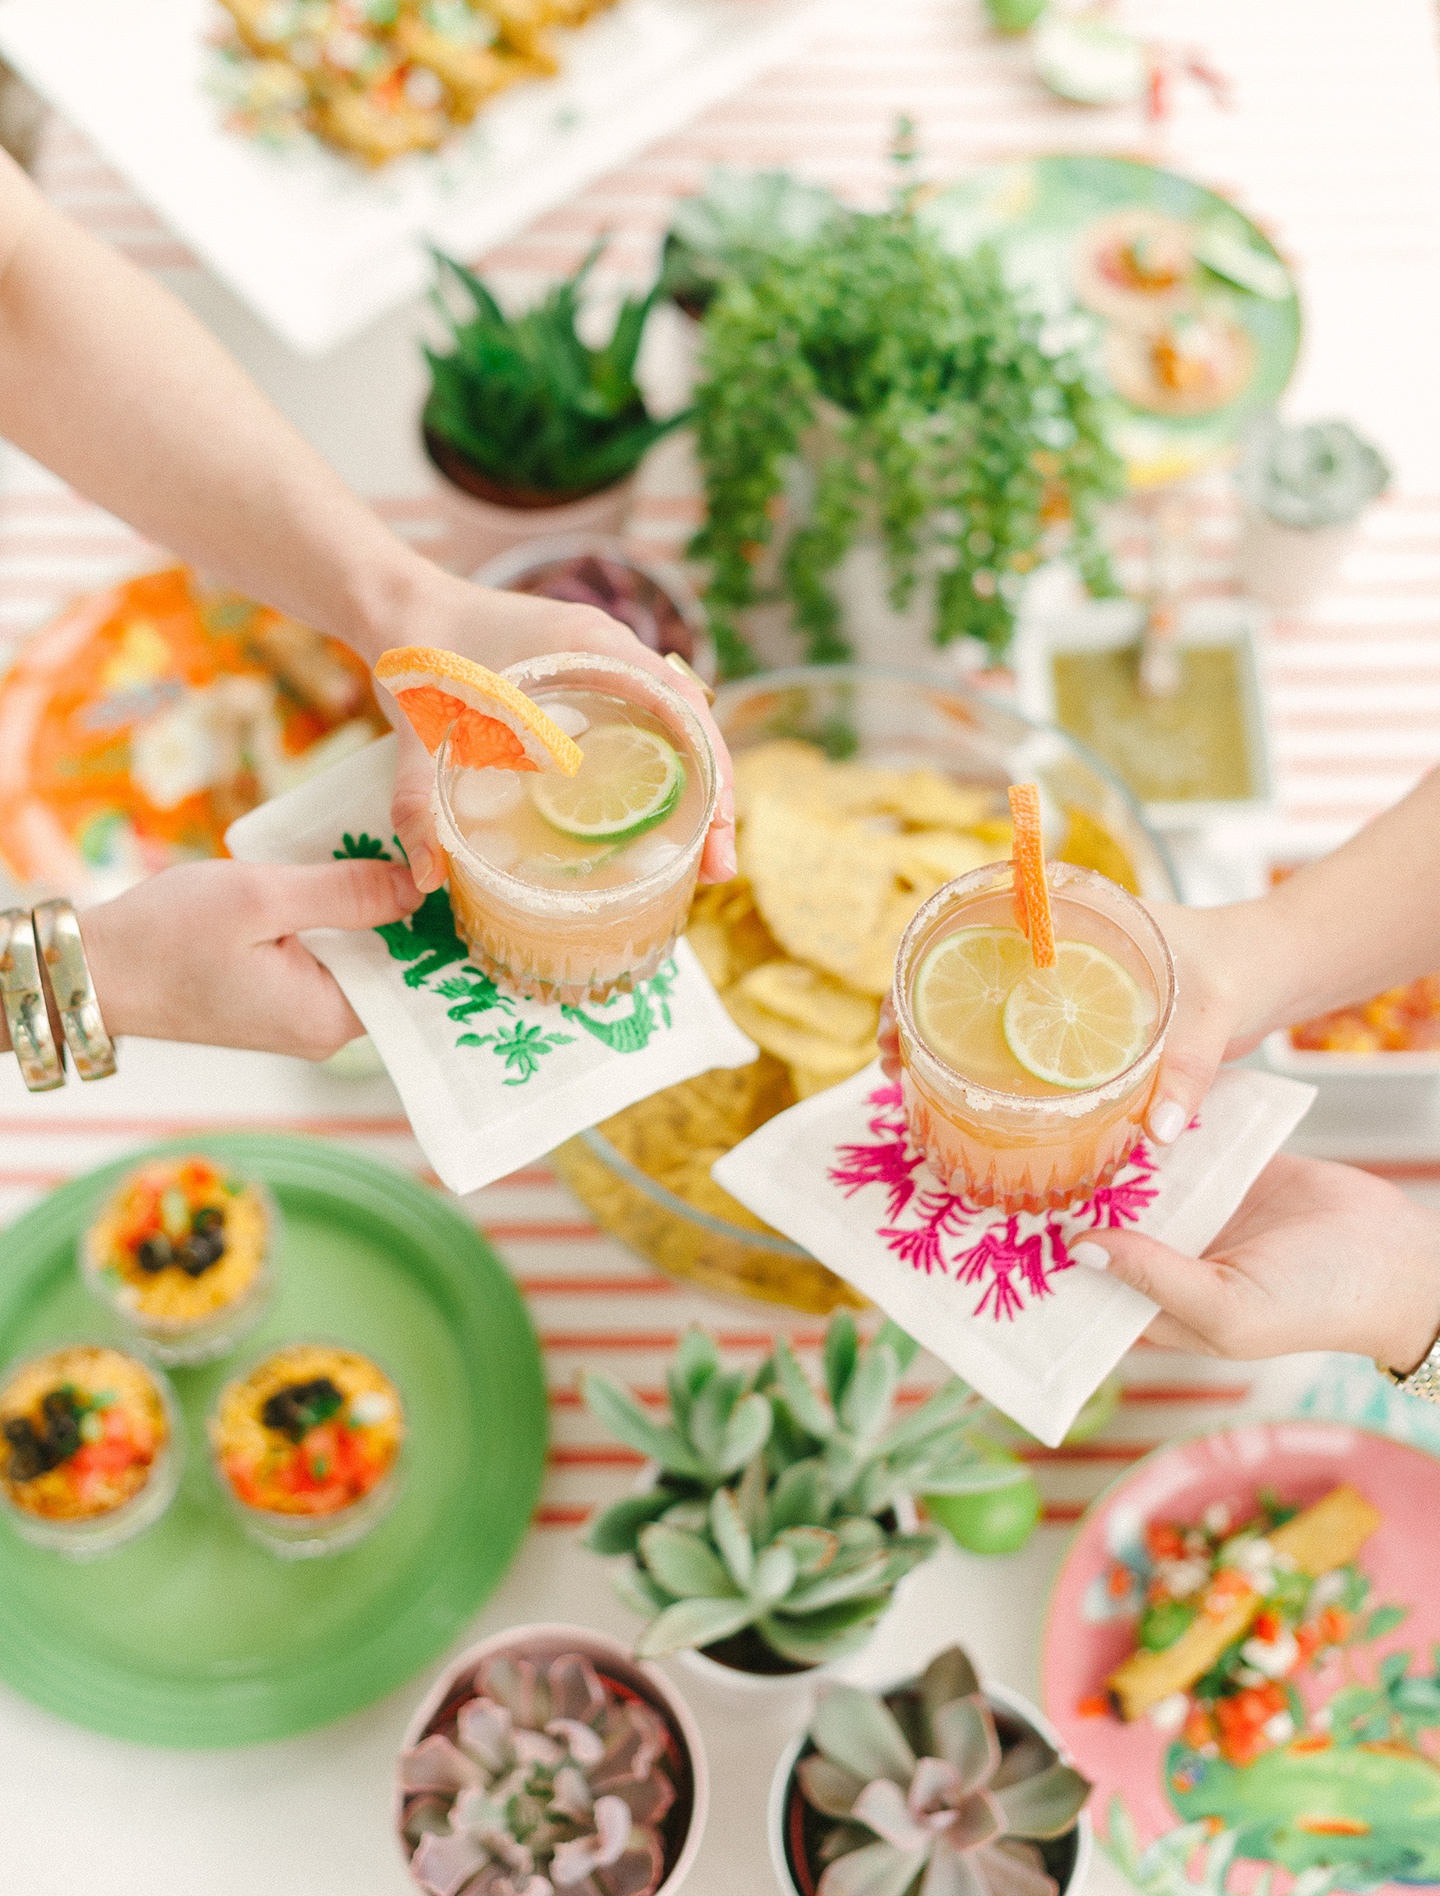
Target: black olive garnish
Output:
[{"x": 300, "y": 1407}]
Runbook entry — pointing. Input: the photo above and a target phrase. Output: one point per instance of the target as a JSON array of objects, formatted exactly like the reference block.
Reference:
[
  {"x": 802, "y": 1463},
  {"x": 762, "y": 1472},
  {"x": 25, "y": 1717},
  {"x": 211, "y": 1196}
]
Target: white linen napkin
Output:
[
  {"x": 489, "y": 1083},
  {"x": 998, "y": 1297}
]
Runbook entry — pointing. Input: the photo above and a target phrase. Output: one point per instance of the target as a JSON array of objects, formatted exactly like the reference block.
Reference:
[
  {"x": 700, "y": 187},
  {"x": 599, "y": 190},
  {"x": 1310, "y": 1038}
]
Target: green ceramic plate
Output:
[
  {"x": 1035, "y": 209},
  {"x": 193, "y": 1636}
]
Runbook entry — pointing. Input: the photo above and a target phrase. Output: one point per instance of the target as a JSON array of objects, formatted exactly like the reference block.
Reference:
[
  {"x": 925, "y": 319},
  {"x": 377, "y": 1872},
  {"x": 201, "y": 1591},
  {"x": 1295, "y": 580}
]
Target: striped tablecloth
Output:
[{"x": 1334, "y": 145}]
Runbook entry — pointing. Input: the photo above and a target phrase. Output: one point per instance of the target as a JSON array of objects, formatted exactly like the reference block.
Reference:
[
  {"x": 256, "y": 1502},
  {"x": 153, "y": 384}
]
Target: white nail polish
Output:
[
  {"x": 1092, "y": 1256},
  {"x": 1167, "y": 1122}
]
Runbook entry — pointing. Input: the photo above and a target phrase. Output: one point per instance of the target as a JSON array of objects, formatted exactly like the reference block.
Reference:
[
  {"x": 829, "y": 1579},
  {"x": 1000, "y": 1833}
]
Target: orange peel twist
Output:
[{"x": 1032, "y": 892}]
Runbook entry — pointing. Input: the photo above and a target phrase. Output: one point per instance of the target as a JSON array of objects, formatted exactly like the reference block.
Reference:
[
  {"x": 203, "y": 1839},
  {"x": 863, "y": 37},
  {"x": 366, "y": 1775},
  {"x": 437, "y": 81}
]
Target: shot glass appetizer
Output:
[
  {"x": 572, "y": 797},
  {"x": 92, "y": 1449},
  {"x": 307, "y": 1446},
  {"x": 181, "y": 1254},
  {"x": 1032, "y": 1001}
]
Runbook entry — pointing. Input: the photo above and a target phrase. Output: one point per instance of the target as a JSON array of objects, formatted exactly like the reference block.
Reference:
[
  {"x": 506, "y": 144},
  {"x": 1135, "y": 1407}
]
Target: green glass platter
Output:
[
  {"x": 1034, "y": 210},
  {"x": 192, "y": 1635}
]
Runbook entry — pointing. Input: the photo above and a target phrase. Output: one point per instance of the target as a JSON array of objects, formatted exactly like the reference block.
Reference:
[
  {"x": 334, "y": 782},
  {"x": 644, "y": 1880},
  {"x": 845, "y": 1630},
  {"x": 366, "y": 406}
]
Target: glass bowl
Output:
[{"x": 889, "y": 718}]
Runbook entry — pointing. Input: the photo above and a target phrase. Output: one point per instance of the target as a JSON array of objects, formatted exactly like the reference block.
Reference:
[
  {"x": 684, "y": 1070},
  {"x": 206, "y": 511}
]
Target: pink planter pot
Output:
[
  {"x": 485, "y": 521},
  {"x": 547, "y": 1641}
]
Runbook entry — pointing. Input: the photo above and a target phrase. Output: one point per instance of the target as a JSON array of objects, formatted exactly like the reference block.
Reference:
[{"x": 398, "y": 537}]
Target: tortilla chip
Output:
[
  {"x": 809, "y": 999},
  {"x": 785, "y": 767},
  {"x": 808, "y": 1083},
  {"x": 799, "y": 1046}
]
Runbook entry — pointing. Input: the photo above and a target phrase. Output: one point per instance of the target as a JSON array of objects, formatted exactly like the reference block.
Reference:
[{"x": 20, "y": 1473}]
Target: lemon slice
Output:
[
  {"x": 1080, "y": 1022},
  {"x": 959, "y": 996},
  {"x": 628, "y": 781}
]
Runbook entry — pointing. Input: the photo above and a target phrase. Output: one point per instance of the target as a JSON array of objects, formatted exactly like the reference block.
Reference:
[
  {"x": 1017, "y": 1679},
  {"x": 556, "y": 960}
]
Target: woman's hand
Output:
[
  {"x": 1318, "y": 1257},
  {"x": 497, "y": 629},
  {"x": 207, "y": 952}
]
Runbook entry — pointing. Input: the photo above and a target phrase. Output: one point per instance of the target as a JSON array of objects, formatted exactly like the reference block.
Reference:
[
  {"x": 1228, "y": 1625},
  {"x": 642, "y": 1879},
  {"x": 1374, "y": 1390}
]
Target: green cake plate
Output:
[{"x": 193, "y": 1636}]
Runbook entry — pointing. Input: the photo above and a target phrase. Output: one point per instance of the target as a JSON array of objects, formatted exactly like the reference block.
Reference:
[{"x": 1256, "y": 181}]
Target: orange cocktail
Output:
[
  {"x": 572, "y": 887},
  {"x": 1027, "y": 1087}
]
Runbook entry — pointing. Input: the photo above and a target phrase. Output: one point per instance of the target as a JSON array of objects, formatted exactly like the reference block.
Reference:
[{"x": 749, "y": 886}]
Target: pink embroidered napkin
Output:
[{"x": 998, "y": 1297}]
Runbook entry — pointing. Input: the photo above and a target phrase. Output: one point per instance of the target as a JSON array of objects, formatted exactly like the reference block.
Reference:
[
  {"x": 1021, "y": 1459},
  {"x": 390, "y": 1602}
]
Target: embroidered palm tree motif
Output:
[
  {"x": 427, "y": 942},
  {"x": 1013, "y": 1261}
]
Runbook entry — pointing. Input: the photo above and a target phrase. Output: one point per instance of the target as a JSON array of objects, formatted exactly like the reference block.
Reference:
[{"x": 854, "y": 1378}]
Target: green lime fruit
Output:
[
  {"x": 997, "y": 1522},
  {"x": 1015, "y": 16},
  {"x": 628, "y": 781}
]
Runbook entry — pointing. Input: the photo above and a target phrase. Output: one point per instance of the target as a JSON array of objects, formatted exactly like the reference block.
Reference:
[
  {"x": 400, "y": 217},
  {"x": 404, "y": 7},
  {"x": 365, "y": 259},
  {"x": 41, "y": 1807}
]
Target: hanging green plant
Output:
[
  {"x": 524, "y": 401},
  {"x": 927, "y": 403}
]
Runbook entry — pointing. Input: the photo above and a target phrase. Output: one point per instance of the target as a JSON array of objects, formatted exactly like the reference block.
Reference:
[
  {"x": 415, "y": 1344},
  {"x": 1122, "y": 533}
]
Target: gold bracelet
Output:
[
  {"x": 22, "y": 994},
  {"x": 62, "y": 949}
]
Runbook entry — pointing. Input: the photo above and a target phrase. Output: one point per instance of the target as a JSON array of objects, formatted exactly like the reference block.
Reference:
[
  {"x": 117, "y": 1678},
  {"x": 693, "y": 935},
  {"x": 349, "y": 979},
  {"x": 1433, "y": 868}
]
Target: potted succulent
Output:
[
  {"x": 869, "y": 402},
  {"x": 546, "y": 1759},
  {"x": 934, "y": 1788},
  {"x": 538, "y": 431},
  {"x": 1304, "y": 489},
  {"x": 738, "y": 221},
  {"x": 777, "y": 1520}
]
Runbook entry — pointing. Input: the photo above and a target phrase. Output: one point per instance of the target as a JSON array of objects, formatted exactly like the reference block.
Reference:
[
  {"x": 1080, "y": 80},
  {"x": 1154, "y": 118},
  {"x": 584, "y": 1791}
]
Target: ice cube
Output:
[
  {"x": 571, "y": 719},
  {"x": 479, "y": 796},
  {"x": 498, "y": 847},
  {"x": 650, "y": 854}
]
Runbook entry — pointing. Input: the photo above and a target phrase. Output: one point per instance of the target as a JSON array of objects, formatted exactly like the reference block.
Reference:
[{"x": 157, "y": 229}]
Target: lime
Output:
[
  {"x": 1080, "y": 1022},
  {"x": 628, "y": 781},
  {"x": 959, "y": 996},
  {"x": 1000, "y": 1521}
]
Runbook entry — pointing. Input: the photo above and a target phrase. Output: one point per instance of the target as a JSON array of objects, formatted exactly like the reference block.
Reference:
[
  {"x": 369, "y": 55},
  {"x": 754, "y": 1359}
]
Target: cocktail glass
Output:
[
  {"x": 583, "y": 938},
  {"x": 1027, "y": 1145}
]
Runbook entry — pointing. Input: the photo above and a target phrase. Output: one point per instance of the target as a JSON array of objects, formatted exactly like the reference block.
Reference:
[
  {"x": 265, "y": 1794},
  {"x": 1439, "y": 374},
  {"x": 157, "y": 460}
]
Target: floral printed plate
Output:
[
  {"x": 191, "y": 1635},
  {"x": 1352, "y": 1801}
]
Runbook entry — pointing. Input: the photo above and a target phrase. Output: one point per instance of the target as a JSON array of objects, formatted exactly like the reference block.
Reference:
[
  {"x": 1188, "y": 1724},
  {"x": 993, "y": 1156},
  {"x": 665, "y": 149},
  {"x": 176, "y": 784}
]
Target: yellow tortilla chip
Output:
[
  {"x": 785, "y": 767},
  {"x": 811, "y": 1000},
  {"x": 808, "y": 1083},
  {"x": 712, "y": 950},
  {"x": 799, "y": 1046}
]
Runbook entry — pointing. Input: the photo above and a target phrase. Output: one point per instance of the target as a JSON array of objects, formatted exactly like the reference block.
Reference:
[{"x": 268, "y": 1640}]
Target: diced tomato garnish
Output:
[
  {"x": 1119, "y": 1580},
  {"x": 1164, "y": 1541},
  {"x": 1266, "y": 1627},
  {"x": 1226, "y": 1590},
  {"x": 1334, "y": 1625},
  {"x": 1307, "y": 1639},
  {"x": 1096, "y": 1706},
  {"x": 1199, "y": 1729}
]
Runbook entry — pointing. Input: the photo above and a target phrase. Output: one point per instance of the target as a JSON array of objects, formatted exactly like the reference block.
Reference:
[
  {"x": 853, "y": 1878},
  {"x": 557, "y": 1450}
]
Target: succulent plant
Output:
[
  {"x": 525, "y": 401},
  {"x": 545, "y": 1778},
  {"x": 739, "y": 218},
  {"x": 926, "y": 1801},
  {"x": 1319, "y": 475},
  {"x": 774, "y": 1505}
]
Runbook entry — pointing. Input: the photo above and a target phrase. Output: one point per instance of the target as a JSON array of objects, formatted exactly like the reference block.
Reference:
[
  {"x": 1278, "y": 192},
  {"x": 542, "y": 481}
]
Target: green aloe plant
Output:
[
  {"x": 774, "y": 1507},
  {"x": 525, "y": 401},
  {"x": 927, "y": 1801}
]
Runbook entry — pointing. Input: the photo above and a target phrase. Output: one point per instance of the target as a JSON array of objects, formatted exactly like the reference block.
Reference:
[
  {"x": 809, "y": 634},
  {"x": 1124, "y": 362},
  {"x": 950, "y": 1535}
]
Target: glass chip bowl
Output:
[{"x": 894, "y": 719}]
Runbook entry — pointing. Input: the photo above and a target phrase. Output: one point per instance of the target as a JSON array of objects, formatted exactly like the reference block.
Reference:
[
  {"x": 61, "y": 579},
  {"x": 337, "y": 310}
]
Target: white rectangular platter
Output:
[{"x": 320, "y": 247}]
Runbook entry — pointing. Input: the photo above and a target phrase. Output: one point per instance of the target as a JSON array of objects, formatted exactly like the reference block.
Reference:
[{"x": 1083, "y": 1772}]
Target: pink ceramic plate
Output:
[{"x": 1354, "y": 1797}]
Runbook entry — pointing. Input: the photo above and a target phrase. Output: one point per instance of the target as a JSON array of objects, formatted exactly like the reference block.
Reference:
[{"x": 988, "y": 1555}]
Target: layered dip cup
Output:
[
  {"x": 92, "y": 1448},
  {"x": 181, "y": 1253},
  {"x": 306, "y": 1443}
]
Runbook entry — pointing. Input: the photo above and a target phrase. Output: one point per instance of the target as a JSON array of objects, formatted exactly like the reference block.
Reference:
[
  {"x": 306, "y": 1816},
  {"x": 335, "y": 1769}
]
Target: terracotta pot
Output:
[
  {"x": 1009, "y": 1706},
  {"x": 547, "y": 1641},
  {"x": 1287, "y": 567},
  {"x": 488, "y": 518}
]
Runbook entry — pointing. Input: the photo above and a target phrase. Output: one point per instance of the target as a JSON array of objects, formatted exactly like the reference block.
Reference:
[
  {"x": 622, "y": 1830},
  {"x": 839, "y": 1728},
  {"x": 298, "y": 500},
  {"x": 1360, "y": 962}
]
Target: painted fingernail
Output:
[
  {"x": 422, "y": 868},
  {"x": 1093, "y": 1256},
  {"x": 1167, "y": 1122}
]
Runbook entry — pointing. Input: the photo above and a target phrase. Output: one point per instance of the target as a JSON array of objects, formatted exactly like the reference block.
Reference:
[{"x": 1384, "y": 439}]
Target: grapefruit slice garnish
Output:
[{"x": 491, "y": 724}]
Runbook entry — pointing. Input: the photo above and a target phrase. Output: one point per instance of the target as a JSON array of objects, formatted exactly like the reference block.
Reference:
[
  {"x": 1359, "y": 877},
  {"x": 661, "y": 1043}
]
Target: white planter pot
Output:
[
  {"x": 734, "y": 1683},
  {"x": 547, "y": 1641},
  {"x": 1287, "y": 567},
  {"x": 1002, "y": 1699}
]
